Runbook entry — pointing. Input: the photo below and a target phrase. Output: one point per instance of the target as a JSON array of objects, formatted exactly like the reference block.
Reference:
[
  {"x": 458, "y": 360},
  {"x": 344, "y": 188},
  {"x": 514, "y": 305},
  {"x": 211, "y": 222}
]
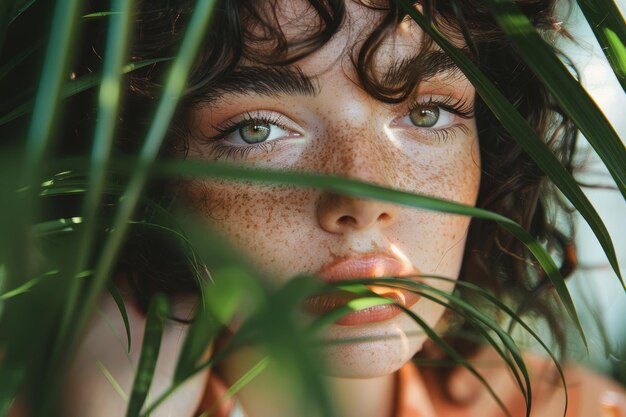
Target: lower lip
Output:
[{"x": 324, "y": 304}]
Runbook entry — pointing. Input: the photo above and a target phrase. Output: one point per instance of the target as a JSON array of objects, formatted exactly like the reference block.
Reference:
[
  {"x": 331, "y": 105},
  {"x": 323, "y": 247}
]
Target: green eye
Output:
[
  {"x": 255, "y": 132},
  {"x": 424, "y": 116}
]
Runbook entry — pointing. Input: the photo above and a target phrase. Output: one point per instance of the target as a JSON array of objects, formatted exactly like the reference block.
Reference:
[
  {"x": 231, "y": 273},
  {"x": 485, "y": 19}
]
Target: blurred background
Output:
[{"x": 597, "y": 292}]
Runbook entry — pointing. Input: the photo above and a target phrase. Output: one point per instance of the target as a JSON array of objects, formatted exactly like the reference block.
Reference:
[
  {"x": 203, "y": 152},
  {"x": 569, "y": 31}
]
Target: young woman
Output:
[{"x": 353, "y": 89}]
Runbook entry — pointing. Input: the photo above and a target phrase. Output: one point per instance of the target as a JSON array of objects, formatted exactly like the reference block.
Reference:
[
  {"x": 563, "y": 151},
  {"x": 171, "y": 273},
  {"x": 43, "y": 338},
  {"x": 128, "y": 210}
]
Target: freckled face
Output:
[{"x": 427, "y": 145}]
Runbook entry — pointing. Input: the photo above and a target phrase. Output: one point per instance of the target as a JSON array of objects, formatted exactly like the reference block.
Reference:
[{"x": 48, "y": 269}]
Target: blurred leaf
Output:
[
  {"x": 77, "y": 86},
  {"x": 241, "y": 383},
  {"x": 24, "y": 287},
  {"x": 608, "y": 26},
  {"x": 98, "y": 15},
  {"x": 56, "y": 226},
  {"x": 529, "y": 141},
  {"x": 150, "y": 347},
  {"x": 172, "y": 91},
  {"x": 12, "y": 377},
  {"x": 221, "y": 297},
  {"x": 474, "y": 312},
  {"x": 108, "y": 103},
  {"x": 449, "y": 350},
  {"x": 19, "y": 7},
  {"x": 119, "y": 302},
  {"x": 564, "y": 87},
  {"x": 114, "y": 384},
  {"x": 54, "y": 76},
  {"x": 19, "y": 58},
  {"x": 366, "y": 190},
  {"x": 290, "y": 347}
]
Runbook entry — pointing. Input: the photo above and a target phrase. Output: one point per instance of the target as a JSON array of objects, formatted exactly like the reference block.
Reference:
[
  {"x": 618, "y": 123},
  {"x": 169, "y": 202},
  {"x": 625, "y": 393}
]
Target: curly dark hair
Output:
[{"x": 511, "y": 182}]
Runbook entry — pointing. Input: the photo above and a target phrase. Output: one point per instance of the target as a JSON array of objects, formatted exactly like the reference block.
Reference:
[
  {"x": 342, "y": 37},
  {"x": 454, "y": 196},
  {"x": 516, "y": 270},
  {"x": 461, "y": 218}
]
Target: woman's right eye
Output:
[{"x": 255, "y": 130}]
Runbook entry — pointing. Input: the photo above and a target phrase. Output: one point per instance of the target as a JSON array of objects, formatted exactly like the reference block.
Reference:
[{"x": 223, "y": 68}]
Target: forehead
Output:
[{"x": 298, "y": 19}]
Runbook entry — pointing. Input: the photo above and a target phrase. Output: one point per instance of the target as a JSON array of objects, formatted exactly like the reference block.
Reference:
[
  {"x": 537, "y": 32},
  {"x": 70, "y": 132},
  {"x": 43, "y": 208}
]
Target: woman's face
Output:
[{"x": 314, "y": 116}]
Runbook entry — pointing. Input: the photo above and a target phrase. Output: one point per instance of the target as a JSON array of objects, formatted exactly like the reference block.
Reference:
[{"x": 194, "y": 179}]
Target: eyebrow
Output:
[
  {"x": 265, "y": 81},
  {"x": 278, "y": 81},
  {"x": 430, "y": 64}
]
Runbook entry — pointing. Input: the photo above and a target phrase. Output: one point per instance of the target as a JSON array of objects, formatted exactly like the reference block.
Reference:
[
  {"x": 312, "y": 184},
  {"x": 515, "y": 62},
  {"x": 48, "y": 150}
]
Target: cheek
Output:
[{"x": 267, "y": 223}]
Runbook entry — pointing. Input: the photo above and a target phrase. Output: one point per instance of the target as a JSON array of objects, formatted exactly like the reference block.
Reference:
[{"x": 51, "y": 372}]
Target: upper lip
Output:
[{"x": 373, "y": 265}]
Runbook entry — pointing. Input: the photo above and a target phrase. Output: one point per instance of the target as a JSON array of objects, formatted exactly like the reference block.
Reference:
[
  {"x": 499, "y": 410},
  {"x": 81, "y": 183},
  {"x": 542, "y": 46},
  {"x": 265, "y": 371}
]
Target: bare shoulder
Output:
[{"x": 584, "y": 394}]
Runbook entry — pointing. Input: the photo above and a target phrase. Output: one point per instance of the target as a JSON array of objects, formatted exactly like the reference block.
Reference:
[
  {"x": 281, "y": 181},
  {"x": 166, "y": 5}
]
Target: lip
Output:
[{"x": 368, "y": 266}]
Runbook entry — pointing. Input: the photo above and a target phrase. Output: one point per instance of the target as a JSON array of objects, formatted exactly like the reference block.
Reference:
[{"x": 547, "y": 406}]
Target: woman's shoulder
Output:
[{"x": 586, "y": 393}]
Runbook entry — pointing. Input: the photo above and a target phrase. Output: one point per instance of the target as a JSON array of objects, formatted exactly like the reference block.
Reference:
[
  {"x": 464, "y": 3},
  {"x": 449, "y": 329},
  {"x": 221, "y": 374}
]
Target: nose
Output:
[
  {"x": 359, "y": 149},
  {"x": 340, "y": 214}
]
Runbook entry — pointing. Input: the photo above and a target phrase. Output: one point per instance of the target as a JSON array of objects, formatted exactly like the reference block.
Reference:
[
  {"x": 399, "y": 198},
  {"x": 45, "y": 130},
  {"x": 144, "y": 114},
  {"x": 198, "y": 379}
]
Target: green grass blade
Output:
[
  {"x": 607, "y": 24},
  {"x": 241, "y": 383},
  {"x": 150, "y": 347},
  {"x": 26, "y": 287},
  {"x": 173, "y": 89},
  {"x": 112, "y": 381},
  {"x": 20, "y": 7},
  {"x": 19, "y": 58},
  {"x": 54, "y": 76},
  {"x": 564, "y": 87},
  {"x": 415, "y": 286},
  {"x": 119, "y": 302},
  {"x": 201, "y": 332},
  {"x": 455, "y": 356},
  {"x": 108, "y": 104},
  {"x": 365, "y": 190},
  {"x": 469, "y": 313},
  {"x": 77, "y": 86},
  {"x": 98, "y": 15},
  {"x": 526, "y": 137}
]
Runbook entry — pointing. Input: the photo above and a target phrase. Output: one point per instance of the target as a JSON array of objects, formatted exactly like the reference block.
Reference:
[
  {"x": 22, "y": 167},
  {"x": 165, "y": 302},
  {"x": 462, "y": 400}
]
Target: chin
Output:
[{"x": 370, "y": 351}]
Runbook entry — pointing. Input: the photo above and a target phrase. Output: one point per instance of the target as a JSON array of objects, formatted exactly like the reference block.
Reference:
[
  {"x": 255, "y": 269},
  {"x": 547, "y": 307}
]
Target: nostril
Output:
[
  {"x": 346, "y": 221},
  {"x": 384, "y": 218}
]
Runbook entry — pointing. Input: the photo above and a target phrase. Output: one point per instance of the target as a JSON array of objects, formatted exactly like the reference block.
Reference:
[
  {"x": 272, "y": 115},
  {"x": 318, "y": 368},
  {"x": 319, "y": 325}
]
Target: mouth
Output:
[{"x": 369, "y": 266}]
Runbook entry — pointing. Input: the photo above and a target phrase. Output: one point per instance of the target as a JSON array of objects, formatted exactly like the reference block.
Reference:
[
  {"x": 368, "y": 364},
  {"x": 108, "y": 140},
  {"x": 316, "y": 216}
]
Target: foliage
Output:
[{"x": 54, "y": 270}]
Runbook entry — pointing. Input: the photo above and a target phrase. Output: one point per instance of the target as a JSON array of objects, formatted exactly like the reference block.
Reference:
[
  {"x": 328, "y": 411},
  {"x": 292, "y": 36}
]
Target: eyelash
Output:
[
  {"x": 462, "y": 108},
  {"x": 231, "y": 126},
  {"x": 221, "y": 150}
]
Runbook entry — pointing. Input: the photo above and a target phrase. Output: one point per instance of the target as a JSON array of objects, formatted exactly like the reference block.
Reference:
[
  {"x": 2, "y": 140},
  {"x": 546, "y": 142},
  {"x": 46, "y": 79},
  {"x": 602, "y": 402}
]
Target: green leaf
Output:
[
  {"x": 173, "y": 90},
  {"x": 564, "y": 87},
  {"x": 607, "y": 24},
  {"x": 423, "y": 289},
  {"x": 108, "y": 104},
  {"x": 25, "y": 287},
  {"x": 455, "y": 356},
  {"x": 78, "y": 85},
  {"x": 241, "y": 383},
  {"x": 19, "y": 58},
  {"x": 54, "y": 76},
  {"x": 98, "y": 15},
  {"x": 114, "y": 384},
  {"x": 19, "y": 7},
  {"x": 119, "y": 301},
  {"x": 150, "y": 347},
  {"x": 365, "y": 190},
  {"x": 529, "y": 141}
]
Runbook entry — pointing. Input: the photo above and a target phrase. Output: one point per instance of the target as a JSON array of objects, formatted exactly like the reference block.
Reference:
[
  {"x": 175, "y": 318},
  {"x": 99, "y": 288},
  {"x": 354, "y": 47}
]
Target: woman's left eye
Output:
[
  {"x": 257, "y": 131},
  {"x": 252, "y": 132},
  {"x": 428, "y": 117}
]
